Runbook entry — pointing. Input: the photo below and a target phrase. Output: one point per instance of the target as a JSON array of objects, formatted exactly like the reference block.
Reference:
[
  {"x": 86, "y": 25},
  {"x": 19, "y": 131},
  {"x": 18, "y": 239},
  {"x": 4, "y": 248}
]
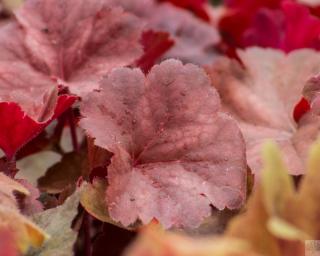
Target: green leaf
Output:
[{"x": 57, "y": 223}]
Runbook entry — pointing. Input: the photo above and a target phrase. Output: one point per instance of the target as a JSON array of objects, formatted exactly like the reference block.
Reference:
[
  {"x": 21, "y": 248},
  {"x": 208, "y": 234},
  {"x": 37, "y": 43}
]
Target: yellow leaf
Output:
[
  {"x": 308, "y": 206},
  {"x": 282, "y": 229},
  {"x": 97, "y": 208},
  {"x": 251, "y": 226},
  {"x": 11, "y": 5},
  {"x": 276, "y": 183},
  {"x": 279, "y": 218}
]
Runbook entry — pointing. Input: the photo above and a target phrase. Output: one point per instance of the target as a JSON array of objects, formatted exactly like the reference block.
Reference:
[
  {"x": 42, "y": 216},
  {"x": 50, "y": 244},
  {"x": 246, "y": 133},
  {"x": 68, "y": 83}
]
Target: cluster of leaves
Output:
[{"x": 120, "y": 116}]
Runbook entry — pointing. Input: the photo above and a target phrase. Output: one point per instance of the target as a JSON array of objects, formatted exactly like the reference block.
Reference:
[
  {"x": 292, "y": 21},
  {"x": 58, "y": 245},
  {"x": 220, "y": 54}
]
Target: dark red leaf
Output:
[
  {"x": 155, "y": 44},
  {"x": 239, "y": 17},
  {"x": 285, "y": 25},
  {"x": 302, "y": 29}
]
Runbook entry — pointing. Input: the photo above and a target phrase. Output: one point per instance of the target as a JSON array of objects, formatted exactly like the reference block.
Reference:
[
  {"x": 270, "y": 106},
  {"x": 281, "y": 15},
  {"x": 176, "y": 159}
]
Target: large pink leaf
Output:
[
  {"x": 20, "y": 81},
  {"x": 262, "y": 97},
  {"x": 77, "y": 40},
  {"x": 29, "y": 99},
  {"x": 175, "y": 153},
  {"x": 68, "y": 42}
]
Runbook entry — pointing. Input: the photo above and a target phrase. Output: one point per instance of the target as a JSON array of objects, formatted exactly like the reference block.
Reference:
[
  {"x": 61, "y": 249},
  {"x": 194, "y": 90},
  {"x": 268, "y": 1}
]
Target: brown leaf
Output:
[{"x": 64, "y": 173}]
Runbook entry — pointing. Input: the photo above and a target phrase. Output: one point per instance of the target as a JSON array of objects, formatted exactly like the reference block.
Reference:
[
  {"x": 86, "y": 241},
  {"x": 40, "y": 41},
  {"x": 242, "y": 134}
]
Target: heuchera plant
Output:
[{"x": 148, "y": 119}]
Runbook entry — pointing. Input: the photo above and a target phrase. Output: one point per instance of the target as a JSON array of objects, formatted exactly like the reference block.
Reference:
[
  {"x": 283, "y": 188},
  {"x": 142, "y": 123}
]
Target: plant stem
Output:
[{"x": 87, "y": 233}]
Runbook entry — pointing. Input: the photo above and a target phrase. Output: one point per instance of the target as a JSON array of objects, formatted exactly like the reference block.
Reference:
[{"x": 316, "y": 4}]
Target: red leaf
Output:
[
  {"x": 175, "y": 153},
  {"x": 239, "y": 17},
  {"x": 286, "y": 25},
  {"x": 252, "y": 4},
  {"x": 155, "y": 45},
  {"x": 302, "y": 29},
  {"x": 17, "y": 128},
  {"x": 300, "y": 109},
  {"x": 271, "y": 22}
]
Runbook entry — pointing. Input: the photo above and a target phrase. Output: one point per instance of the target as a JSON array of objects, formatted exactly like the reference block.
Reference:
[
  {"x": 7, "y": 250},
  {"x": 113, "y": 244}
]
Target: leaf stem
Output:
[
  {"x": 72, "y": 125},
  {"x": 11, "y": 168}
]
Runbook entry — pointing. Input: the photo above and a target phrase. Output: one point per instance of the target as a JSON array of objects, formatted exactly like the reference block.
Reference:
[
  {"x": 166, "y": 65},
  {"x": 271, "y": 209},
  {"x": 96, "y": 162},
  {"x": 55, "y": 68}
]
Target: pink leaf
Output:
[
  {"x": 196, "y": 6},
  {"x": 75, "y": 42},
  {"x": 263, "y": 96},
  {"x": 20, "y": 81},
  {"x": 175, "y": 153},
  {"x": 78, "y": 41}
]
